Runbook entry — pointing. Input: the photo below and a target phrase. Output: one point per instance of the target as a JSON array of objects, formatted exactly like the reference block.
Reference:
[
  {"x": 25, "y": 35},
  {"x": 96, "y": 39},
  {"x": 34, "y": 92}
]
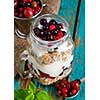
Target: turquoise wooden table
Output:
[{"x": 68, "y": 11}]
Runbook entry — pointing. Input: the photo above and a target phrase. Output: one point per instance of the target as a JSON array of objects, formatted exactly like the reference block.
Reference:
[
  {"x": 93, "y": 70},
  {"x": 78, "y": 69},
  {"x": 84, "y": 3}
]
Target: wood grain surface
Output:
[{"x": 68, "y": 11}]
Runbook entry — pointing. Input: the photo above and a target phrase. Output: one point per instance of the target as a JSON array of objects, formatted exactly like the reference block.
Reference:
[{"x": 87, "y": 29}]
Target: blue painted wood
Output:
[
  {"x": 67, "y": 8},
  {"x": 79, "y": 53}
]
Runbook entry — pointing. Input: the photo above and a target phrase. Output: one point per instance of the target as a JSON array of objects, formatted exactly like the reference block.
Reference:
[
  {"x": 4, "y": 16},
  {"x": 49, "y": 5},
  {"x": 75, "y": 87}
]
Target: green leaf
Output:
[
  {"x": 30, "y": 97},
  {"x": 20, "y": 94},
  {"x": 18, "y": 99},
  {"x": 43, "y": 95},
  {"x": 32, "y": 87}
]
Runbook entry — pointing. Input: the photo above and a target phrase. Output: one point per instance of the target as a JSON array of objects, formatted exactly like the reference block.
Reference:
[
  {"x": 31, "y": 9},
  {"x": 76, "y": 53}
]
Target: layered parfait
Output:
[{"x": 50, "y": 54}]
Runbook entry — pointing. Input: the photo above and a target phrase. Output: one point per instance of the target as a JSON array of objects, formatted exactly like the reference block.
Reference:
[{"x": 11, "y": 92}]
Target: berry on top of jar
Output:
[
  {"x": 26, "y": 8},
  {"x": 49, "y": 30}
]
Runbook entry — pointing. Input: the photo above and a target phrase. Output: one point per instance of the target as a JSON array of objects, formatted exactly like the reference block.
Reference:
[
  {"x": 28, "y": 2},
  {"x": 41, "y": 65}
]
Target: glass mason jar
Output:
[{"x": 41, "y": 47}]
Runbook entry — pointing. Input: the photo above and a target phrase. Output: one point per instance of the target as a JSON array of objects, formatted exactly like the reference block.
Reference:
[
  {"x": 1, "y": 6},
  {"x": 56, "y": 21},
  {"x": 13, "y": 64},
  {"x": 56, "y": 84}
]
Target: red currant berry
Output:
[
  {"x": 68, "y": 85},
  {"x": 15, "y": 3},
  {"x": 64, "y": 90},
  {"x": 73, "y": 83},
  {"x": 20, "y": 15},
  {"x": 29, "y": 0},
  {"x": 62, "y": 84},
  {"x": 74, "y": 91},
  {"x": 59, "y": 92},
  {"x": 28, "y": 12},
  {"x": 21, "y": 9},
  {"x": 25, "y": 0},
  {"x": 60, "y": 88},
  {"x": 64, "y": 95},
  {"x": 64, "y": 80},
  {"x": 78, "y": 88},
  {"x": 52, "y": 27},
  {"x": 35, "y": 12},
  {"x": 57, "y": 85},
  {"x": 38, "y": 8},
  {"x": 16, "y": 14}
]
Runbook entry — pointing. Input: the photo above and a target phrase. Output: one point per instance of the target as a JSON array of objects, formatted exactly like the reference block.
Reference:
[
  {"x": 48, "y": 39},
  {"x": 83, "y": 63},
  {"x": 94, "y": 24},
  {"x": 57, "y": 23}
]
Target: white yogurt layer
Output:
[{"x": 53, "y": 69}]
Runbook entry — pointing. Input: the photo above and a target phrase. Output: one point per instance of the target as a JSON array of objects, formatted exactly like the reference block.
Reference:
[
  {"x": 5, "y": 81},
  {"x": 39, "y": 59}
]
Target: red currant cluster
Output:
[
  {"x": 67, "y": 89},
  {"x": 26, "y": 8},
  {"x": 50, "y": 31}
]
